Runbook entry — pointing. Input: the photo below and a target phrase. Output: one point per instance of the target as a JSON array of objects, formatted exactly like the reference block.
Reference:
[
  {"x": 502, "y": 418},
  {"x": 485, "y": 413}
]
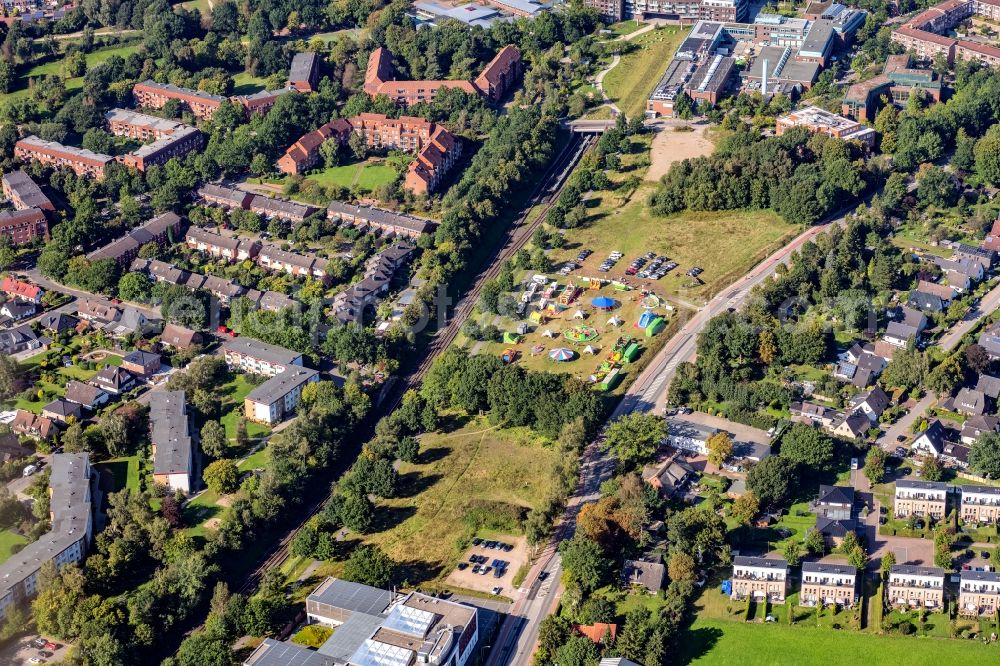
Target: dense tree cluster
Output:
[{"x": 802, "y": 177}]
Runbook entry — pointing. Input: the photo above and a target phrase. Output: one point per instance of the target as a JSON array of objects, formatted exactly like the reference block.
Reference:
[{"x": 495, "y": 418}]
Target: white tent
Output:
[
  {"x": 548, "y": 334},
  {"x": 615, "y": 321},
  {"x": 579, "y": 315},
  {"x": 589, "y": 350}
]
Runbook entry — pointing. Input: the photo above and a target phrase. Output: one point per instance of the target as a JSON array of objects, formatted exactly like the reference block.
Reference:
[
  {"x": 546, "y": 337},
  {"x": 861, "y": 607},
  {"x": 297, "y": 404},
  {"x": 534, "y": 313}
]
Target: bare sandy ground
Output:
[{"x": 670, "y": 146}]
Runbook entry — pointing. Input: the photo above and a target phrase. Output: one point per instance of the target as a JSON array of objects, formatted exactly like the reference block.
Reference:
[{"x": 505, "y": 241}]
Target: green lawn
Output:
[
  {"x": 246, "y": 84},
  {"x": 719, "y": 642},
  {"x": 53, "y": 390},
  {"x": 367, "y": 175},
  {"x": 124, "y": 472},
  {"x": 726, "y": 244},
  {"x": 8, "y": 540},
  {"x": 54, "y": 66},
  {"x": 255, "y": 460},
  {"x": 631, "y": 82},
  {"x": 234, "y": 392},
  {"x": 626, "y": 27}
]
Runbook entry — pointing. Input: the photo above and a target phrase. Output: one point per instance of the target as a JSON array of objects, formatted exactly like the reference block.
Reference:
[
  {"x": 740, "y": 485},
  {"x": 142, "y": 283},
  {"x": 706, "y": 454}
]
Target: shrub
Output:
[{"x": 906, "y": 628}]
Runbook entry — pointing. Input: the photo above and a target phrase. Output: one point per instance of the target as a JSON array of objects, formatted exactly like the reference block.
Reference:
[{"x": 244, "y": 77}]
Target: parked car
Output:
[{"x": 29, "y": 470}]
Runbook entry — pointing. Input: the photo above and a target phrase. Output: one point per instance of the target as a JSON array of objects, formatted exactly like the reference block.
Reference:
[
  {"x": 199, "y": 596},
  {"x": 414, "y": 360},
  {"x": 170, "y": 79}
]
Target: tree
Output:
[
  {"x": 875, "y": 465},
  {"x": 987, "y": 154},
  {"x": 222, "y": 476},
  {"x": 815, "y": 543},
  {"x": 977, "y": 358},
  {"x": 213, "y": 439},
  {"x": 745, "y": 508},
  {"x": 771, "y": 480},
  {"x": 906, "y": 369},
  {"x": 984, "y": 457},
  {"x": 584, "y": 564},
  {"x": 634, "y": 438},
  {"x": 792, "y": 552},
  {"x": 807, "y": 446},
  {"x": 10, "y": 376},
  {"x": 681, "y": 567},
  {"x": 577, "y": 651},
  {"x": 932, "y": 468},
  {"x": 720, "y": 447},
  {"x": 370, "y": 566},
  {"x": 946, "y": 375},
  {"x": 888, "y": 562}
]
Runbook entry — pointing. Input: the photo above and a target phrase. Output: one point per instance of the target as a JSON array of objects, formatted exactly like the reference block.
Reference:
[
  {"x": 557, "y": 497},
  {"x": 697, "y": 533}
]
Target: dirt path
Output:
[
  {"x": 670, "y": 146},
  {"x": 599, "y": 78}
]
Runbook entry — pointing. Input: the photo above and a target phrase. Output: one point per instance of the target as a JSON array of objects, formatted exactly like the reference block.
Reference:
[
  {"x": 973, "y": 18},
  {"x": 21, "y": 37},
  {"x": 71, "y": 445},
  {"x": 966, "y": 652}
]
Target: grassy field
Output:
[
  {"x": 8, "y": 540},
  {"x": 420, "y": 529},
  {"x": 630, "y": 83},
  {"x": 368, "y": 175},
  {"x": 724, "y": 243},
  {"x": 20, "y": 88},
  {"x": 711, "y": 642},
  {"x": 232, "y": 405},
  {"x": 626, "y": 27},
  {"x": 124, "y": 472},
  {"x": 55, "y": 390},
  {"x": 202, "y": 6},
  {"x": 246, "y": 84}
]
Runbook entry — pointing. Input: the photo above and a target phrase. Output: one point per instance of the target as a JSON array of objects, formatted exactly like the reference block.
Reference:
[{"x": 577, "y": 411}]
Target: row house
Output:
[
  {"x": 259, "y": 358},
  {"x": 289, "y": 211},
  {"x": 496, "y": 79},
  {"x": 153, "y": 95},
  {"x": 259, "y": 103},
  {"x": 980, "y": 505},
  {"x": 80, "y": 160},
  {"x": 72, "y": 490},
  {"x": 350, "y": 304},
  {"x": 21, "y": 227},
  {"x": 299, "y": 265},
  {"x": 828, "y": 584},
  {"x": 916, "y": 587},
  {"x": 22, "y": 291},
  {"x": 274, "y": 400},
  {"x": 385, "y": 221},
  {"x": 979, "y": 593},
  {"x": 222, "y": 247},
  {"x": 926, "y": 499},
  {"x": 23, "y": 193},
  {"x": 226, "y": 197},
  {"x": 760, "y": 578},
  {"x": 161, "y": 230}
]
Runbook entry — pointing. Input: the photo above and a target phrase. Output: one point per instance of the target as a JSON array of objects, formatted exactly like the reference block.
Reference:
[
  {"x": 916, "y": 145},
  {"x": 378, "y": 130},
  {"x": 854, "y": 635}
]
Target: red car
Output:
[{"x": 52, "y": 646}]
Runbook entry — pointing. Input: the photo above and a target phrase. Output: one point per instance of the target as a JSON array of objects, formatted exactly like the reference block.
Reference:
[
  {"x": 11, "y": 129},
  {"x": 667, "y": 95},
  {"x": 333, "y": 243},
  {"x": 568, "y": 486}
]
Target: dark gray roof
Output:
[
  {"x": 836, "y": 495},
  {"x": 982, "y": 490},
  {"x": 835, "y": 527},
  {"x": 233, "y": 196},
  {"x": 302, "y": 67},
  {"x": 828, "y": 567},
  {"x": 272, "y": 206},
  {"x": 281, "y": 384},
  {"x": 262, "y": 350},
  {"x": 58, "y": 321},
  {"x": 989, "y": 385},
  {"x": 380, "y": 216},
  {"x": 914, "y": 570},
  {"x": 141, "y": 357},
  {"x": 770, "y": 562},
  {"x": 353, "y": 597},
  {"x": 276, "y": 653},
  {"x": 62, "y": 407},
  {"x": 170, "y": 433},
  {"x": 924, "y": 301},
  {"x": 984, "y": 576},
  {"x": 921, "y": 485},
  {"x": 26, "y": 189},
  {"x": 83, "y": 394}
]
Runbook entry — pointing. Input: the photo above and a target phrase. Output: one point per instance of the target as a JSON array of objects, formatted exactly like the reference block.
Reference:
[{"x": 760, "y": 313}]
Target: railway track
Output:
[{"x": 546, "y": 193}]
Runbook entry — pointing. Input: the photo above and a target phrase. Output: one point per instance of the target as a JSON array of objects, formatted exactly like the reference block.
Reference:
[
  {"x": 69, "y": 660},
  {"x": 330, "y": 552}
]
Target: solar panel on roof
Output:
[{"x": 409, "y": 620}]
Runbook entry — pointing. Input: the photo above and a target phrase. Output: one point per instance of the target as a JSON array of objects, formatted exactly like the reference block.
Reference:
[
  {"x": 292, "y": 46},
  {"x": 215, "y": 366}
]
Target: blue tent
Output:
[
  {"x": 603, "y": 302},
  {"x": 646, "y": 318},
  {"x": 727, "y": 587}
]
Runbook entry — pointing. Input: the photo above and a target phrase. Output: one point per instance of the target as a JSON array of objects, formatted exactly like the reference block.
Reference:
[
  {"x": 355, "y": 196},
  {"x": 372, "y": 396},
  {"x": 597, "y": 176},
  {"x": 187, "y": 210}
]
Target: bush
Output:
[{"x": 906, "y": 628}]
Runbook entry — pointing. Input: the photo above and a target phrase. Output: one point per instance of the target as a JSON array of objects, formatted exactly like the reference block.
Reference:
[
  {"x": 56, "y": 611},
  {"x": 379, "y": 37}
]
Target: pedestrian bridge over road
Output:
[{"x": 590, "y": 126}]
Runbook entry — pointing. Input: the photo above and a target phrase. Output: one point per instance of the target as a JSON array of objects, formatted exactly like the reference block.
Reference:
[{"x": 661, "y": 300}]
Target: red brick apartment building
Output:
[
  {"x": 83, "y": 162},
  {"x": 23, "y": 226},
  {"x": 23, "y": 192},
  {"x": 155, "y": 95},
  {"x": 140, "y": 126},
  {"x": 496, "y": 79},
  {"x": 169, "y": 138},
  {"x": 304, "y": 153},
  {"x": 433, "y": 162}
]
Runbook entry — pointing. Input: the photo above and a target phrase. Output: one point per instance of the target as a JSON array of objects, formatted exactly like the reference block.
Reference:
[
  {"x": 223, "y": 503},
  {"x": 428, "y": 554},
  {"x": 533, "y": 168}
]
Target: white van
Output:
[{"x": 30, "y": 469}]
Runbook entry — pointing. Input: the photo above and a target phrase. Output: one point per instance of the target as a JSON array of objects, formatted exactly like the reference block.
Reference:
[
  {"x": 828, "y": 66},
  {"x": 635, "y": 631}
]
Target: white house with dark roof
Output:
[
  {"x": 980, "y": 505},
  {"x": 941, "y": 443},
  {"x": 912, "y": 586},
  {"x": 171, "y": 439},
  {"x": 827, "y": 583},
  {"x": 275, "y": 399},
  {"x": 760, "y": 578},
  {"x": 259, "y": 358},
  {"x": 927, "y": 499},
  {"x": 979, "y": 593}
]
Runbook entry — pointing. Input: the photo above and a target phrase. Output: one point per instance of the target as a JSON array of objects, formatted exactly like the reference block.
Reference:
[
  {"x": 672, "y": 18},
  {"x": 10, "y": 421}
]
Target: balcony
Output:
[{"x": 737, "y": 575}]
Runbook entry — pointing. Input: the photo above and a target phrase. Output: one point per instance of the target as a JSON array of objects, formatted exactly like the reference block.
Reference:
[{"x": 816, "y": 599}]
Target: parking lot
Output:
[
  {"x": 649, "y": 267},
  {"x": 21, "y": 651},
  {"x": 478, "y": 568}
]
